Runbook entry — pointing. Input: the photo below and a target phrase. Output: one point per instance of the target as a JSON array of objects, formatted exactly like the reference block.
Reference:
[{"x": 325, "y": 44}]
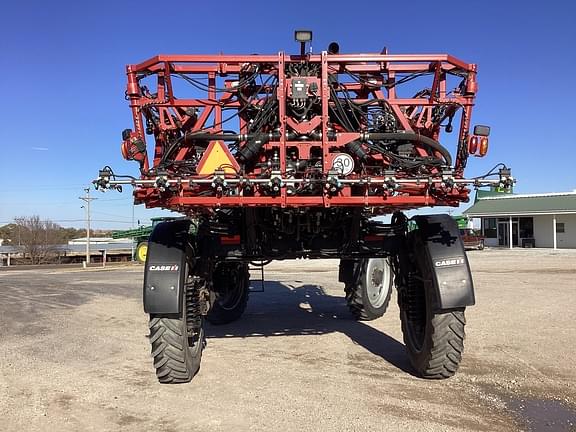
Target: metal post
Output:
[
  {"x": 88, "y": 227},
  {"x": 132, "y": 243},
  {"x": 510, "y": 233},
  {"x": 87, "y": 199},
  {"x": 554, "y": 231}
]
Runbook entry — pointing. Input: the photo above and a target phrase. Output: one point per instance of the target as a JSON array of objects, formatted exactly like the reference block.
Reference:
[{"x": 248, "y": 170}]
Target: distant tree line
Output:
[{"x": 39, "y": 239}]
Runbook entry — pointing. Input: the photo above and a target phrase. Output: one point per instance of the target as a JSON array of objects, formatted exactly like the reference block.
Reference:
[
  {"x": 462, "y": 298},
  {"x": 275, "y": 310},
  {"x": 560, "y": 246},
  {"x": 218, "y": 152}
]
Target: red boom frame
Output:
[{"x": 379, "y": 75}]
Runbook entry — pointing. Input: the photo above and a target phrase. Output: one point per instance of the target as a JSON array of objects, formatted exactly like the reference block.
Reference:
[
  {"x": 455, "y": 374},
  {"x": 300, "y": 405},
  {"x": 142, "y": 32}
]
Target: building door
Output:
[{"x": 504, "y": 233}]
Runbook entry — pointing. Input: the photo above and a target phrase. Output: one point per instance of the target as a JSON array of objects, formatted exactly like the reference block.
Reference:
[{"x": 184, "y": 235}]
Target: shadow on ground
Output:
[{"x": 285, "y": 310}]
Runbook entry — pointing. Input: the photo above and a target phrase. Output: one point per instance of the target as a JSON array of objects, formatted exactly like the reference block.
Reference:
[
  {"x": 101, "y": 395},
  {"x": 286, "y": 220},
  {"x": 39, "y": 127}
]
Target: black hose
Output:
[
  {"x": 252, "y": 147},
  {"x": 355, "y": 148},
  {"x": 254, "y": 142},
  {"x": 213, "y": 137},
  {"x": 409, "y": 136}
]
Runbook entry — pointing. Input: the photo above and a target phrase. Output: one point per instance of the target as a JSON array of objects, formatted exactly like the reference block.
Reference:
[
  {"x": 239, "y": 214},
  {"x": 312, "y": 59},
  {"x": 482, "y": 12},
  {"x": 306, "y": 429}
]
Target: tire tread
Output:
[
  {"x": 354, "y": 302},
  {"x": 168, "y": 352},
  {"x": 446, "y": 346}
]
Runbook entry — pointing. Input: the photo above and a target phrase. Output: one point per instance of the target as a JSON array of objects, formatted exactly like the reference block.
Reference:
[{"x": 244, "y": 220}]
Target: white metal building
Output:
[{"x": 527, "y": 220}]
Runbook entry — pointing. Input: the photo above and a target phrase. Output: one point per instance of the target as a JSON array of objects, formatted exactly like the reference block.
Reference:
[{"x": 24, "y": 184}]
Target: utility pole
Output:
[
  {"x": 132, "y": 247},
  {"x": 87, "y": 199}
]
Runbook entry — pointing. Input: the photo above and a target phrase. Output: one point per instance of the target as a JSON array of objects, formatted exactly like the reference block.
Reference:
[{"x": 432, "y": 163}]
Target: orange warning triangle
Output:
[{"x": 217, "y": 157}]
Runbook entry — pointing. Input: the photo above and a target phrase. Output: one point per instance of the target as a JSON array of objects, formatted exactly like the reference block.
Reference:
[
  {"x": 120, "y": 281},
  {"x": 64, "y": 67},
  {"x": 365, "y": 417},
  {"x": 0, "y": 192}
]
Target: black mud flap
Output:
[
  {"x": 450, "y": 269},
  {"x": 165, "y": 268}
]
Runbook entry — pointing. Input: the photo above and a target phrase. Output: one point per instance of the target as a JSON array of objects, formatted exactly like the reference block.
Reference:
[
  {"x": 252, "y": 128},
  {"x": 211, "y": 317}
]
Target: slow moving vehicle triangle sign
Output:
[{"x": 217, "y": 157}]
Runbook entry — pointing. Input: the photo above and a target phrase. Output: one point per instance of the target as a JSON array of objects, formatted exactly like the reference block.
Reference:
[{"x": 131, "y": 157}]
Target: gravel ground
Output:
[{"x": 74, "y": 356}]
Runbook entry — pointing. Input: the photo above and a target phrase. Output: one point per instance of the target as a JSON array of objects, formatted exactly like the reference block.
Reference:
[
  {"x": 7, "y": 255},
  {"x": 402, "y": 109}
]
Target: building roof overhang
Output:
[{"x": 524, "y": 205}]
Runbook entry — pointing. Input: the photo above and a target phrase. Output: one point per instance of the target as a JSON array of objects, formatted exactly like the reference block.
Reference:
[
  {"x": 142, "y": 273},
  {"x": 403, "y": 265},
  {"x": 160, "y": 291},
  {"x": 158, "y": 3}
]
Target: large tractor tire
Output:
[
  {"x": 141, "y": 251},
  {"x": 434, "y": 340},
  {"x": 368, "y": 293},
  {"x": 178, "y": 340},
  {"x": 231, "y": 284}
]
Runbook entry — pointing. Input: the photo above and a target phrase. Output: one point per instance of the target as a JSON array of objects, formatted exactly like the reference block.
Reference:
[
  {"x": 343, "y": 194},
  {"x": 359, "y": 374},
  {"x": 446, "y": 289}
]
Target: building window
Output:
[
  {"x": 560, "y": 227},
  {"x": 490, "y": 228},
  {"x": 526, "y": 227}
]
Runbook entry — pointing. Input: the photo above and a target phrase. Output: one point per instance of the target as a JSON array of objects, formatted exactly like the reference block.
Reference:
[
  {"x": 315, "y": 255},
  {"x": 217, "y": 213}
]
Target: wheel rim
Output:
[
  {"x": 378, "y": 281},
  {"x": 142, "y": 252}
]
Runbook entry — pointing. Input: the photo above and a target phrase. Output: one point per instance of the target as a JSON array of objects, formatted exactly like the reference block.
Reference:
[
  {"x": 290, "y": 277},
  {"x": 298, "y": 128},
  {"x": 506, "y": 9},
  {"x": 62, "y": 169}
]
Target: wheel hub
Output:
[
  {"x": 377, "y": 282},
  {"x": 377, "y": 277}
]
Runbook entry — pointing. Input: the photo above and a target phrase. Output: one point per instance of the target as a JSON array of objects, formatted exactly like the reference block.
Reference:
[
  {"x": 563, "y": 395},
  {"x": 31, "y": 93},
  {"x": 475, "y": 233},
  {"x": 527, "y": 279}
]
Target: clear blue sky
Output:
[{"x": 62, "y": 82}]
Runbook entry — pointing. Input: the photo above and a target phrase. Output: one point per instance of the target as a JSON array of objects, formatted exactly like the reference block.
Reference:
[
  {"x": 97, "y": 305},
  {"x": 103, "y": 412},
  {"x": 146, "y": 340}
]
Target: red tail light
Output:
[
  {"x": 473, "y": 144},
  {"x": 483, "y": 147}
]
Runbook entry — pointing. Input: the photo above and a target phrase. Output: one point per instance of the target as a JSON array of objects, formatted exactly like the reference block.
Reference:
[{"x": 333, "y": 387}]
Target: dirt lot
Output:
[{"x": 74, "y": 356}]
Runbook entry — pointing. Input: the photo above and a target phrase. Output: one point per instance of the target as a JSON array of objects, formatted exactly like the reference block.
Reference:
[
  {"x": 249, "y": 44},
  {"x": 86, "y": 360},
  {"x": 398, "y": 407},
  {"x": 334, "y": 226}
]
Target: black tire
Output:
[
  {"x": 434, "y": 340},
  {"x": 481, "y": 245},
  {"x": 231, "y": 286},
  {"x": 178, "y": 341},
  {"x": 368, "y": 294}
]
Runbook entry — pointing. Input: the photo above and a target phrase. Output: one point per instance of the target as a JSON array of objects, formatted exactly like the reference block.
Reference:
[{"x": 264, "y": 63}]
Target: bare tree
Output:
[{"x": 39, "y": 238}]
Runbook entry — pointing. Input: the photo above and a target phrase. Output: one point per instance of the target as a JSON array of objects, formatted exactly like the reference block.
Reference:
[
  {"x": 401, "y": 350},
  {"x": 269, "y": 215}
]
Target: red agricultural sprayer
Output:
[{"x": 273, "y": 157}]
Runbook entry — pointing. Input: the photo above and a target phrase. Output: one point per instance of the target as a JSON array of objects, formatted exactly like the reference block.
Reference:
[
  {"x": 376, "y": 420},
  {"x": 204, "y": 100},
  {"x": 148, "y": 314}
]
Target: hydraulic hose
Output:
[
  {"x": 249, "y": 151},
  {"x": 252, "y": 148},
  {"x": 257, "y": 140},
  {"x": 409, "y": 136},
  {"x": 212, "y": 137}
]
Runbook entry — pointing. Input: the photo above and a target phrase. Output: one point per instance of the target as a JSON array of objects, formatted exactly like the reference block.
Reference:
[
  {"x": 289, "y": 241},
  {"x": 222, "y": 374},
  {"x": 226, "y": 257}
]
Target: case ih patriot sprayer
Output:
[{"x": 275, "y": 157}]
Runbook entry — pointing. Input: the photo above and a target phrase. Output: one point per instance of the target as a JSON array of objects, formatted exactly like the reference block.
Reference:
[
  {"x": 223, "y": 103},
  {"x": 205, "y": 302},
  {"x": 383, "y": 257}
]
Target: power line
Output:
[
  {"x": 110, "y": 214},
  {"x": 21, "y": 188},
  {"x": 75, "y": 220},
  {"x": 116, "y": 199}
]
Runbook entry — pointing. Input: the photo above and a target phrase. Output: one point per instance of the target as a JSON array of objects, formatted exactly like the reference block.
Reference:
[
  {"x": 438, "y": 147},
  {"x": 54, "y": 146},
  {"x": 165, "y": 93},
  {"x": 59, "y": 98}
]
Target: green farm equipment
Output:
[{"x": 140, "y": 236}]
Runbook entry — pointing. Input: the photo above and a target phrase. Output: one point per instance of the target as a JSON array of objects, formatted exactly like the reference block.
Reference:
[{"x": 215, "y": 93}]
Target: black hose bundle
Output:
[{"x": 409, "y": 136}]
